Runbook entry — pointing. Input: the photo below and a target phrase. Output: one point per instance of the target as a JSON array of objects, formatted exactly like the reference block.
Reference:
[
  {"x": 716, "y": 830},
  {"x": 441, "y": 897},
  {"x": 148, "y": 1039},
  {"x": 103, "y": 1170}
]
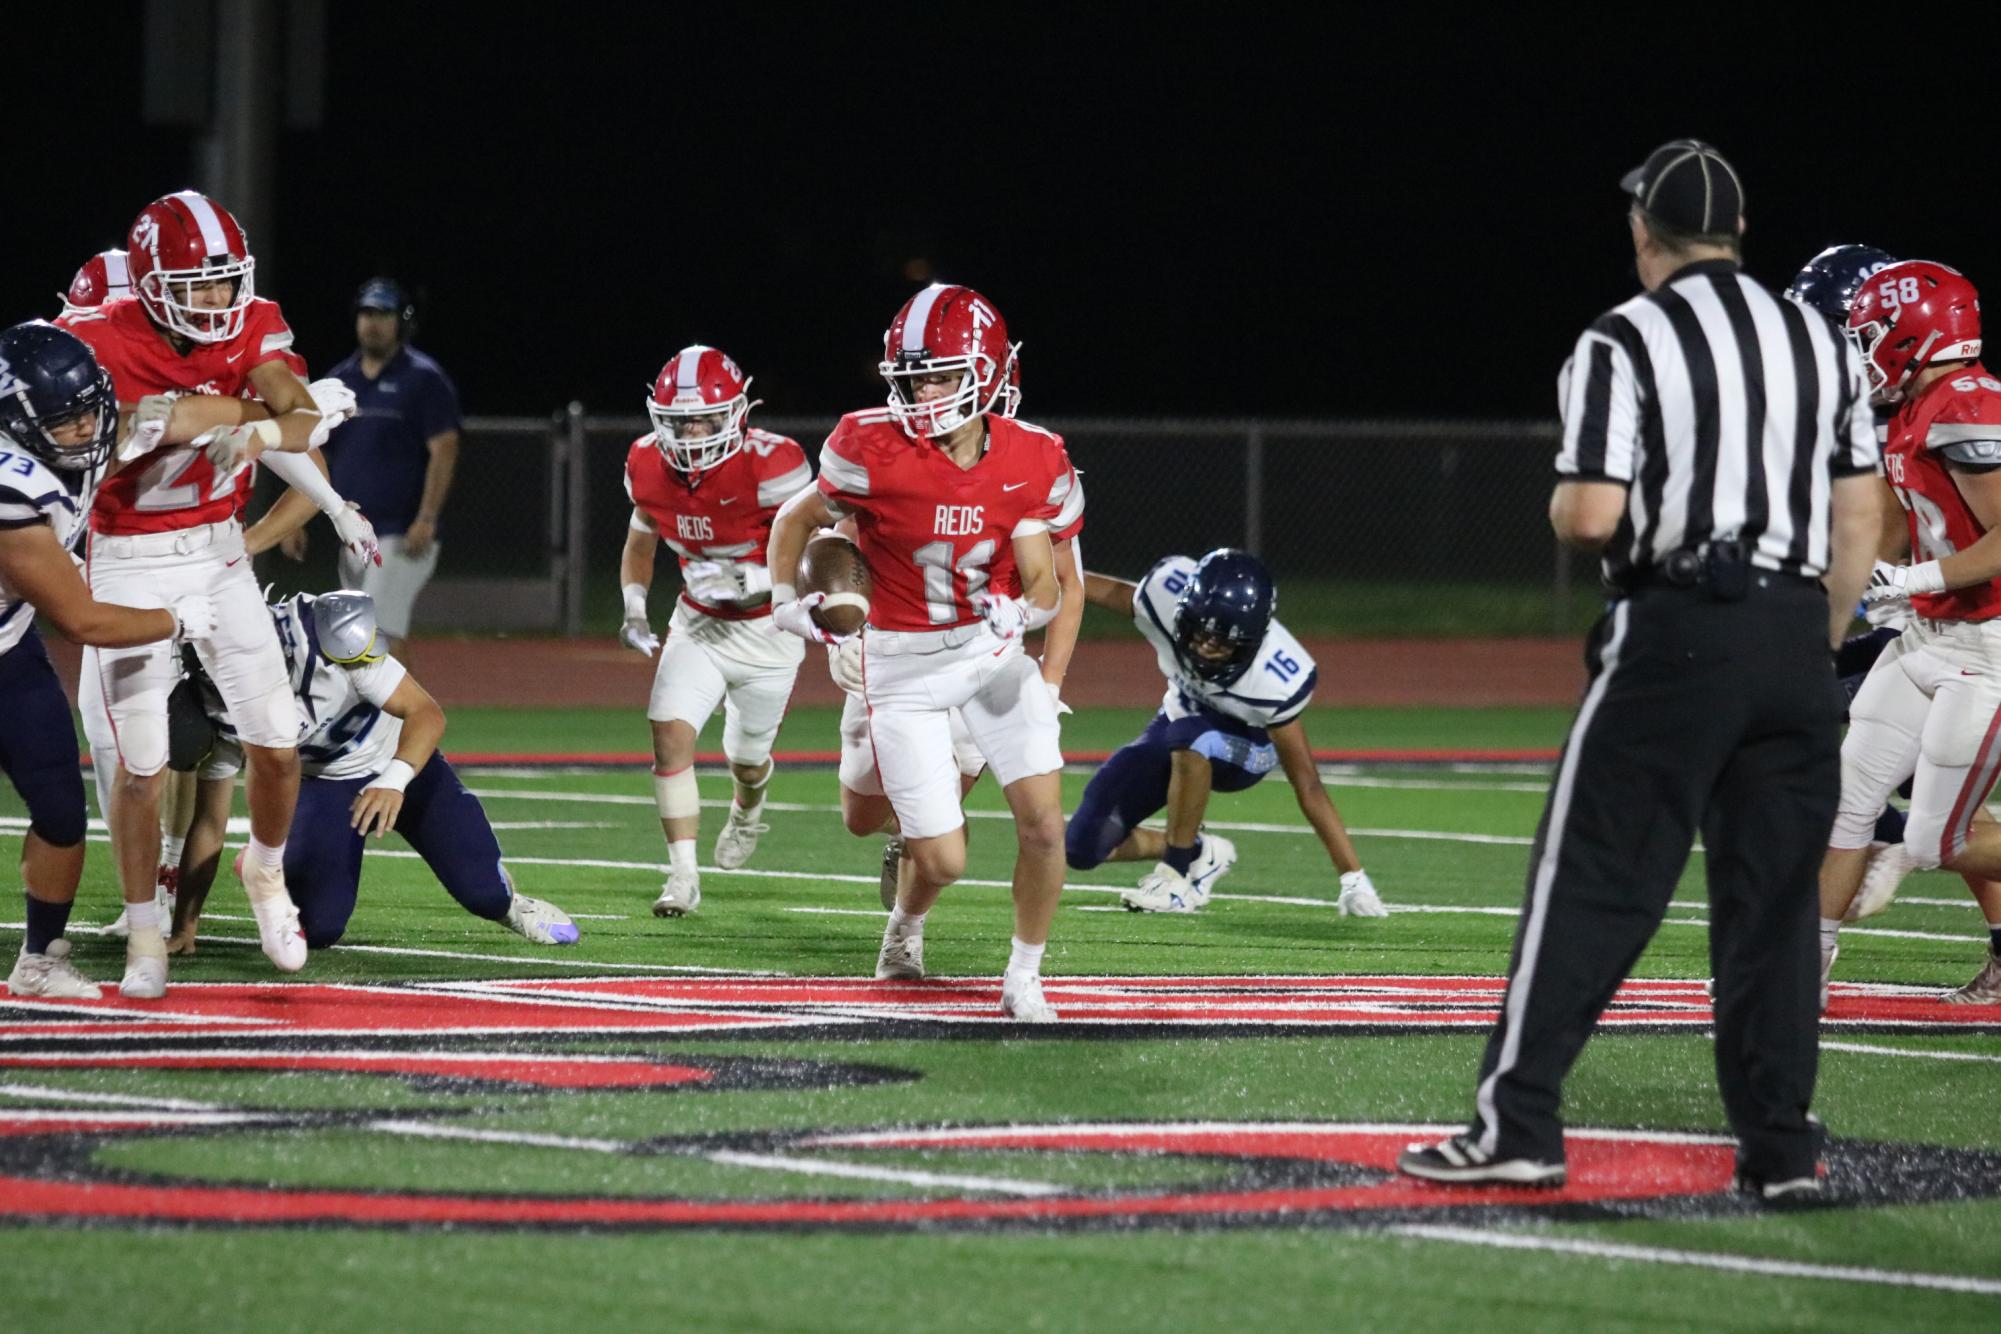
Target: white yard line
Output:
[
  {"x": 1919, "y": 1053},
  {"x": 1736, "y": 1264},
  {"x": 859, "y": 1172},
  {"x": 42, "y": 1093}
]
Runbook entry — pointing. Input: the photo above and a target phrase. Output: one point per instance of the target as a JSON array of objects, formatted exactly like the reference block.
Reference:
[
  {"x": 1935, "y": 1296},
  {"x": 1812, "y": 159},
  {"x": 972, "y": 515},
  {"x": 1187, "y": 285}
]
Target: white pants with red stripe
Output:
[
  {"x": 123, "y": 693},
  {"x": 912, "y": 684},
  {"x": 746, "y": 668},
  {"x": 858, "y": 755},
  {"x": 1930, "y": 711}
]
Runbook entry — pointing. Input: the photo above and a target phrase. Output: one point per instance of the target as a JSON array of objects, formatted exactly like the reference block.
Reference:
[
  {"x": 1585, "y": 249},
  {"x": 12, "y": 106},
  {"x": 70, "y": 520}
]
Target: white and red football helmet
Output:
[
  {"x": 699, "y": 384},
  {"x": 947, "y": 328},
  {"x": 104, "y": 277},
  {"x": 1908, "y": 316},
  {"x": 182, "y": 241}
]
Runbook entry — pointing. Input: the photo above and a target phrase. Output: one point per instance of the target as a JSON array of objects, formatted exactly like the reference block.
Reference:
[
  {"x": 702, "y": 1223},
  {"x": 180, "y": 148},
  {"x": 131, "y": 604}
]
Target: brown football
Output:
[{"x": 833, "y": 565}]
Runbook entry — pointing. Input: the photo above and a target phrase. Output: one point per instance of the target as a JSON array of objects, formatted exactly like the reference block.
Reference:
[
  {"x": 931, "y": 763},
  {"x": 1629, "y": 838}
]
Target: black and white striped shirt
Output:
[{"x": 1727, "y": 412}]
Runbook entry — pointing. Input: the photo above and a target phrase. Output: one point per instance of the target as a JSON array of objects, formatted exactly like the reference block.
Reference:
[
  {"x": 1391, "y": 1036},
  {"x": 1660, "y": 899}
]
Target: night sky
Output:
[{"x": 1407, "y": 217}]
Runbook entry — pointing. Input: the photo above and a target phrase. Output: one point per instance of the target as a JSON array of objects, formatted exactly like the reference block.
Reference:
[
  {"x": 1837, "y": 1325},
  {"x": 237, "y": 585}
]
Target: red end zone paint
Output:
[
  {"x": 556, "y": 1072},
  {"x": 280, "y": 1014},
  {"x": 1606, "y": 1167}
]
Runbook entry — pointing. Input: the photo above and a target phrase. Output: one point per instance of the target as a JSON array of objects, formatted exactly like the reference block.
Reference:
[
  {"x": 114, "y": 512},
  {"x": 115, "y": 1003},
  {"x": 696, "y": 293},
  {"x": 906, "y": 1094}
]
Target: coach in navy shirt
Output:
[{"x": 395, "y": 458}]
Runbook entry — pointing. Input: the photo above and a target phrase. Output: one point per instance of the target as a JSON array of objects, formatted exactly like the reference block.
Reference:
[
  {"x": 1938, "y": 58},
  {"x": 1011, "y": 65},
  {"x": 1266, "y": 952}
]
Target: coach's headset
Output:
[{"x": 388, "y": 294}]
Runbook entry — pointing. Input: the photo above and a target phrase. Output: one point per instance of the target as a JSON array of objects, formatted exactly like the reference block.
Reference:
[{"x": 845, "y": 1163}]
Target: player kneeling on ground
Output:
[
  {"x": 708, "y": 487},
  {"x": 370, "y": 763},
  {"x": 1237, "y": 683}
]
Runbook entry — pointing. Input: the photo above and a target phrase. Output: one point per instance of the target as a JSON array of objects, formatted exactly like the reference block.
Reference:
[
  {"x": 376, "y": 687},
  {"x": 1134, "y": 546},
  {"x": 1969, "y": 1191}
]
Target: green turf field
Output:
[{"x": 954, "y": 1234}]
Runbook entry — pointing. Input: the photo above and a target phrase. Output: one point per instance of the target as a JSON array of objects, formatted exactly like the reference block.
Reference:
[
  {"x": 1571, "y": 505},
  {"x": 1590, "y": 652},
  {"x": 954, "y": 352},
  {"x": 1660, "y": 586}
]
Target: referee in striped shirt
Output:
[{"x": 1718, "y": 450}]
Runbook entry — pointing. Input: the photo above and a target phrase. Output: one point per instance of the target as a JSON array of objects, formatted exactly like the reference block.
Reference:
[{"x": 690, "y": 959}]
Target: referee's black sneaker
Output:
[
  {"x": 1461, "y": 1160},
  {"x": 1792, "y": 1191}
]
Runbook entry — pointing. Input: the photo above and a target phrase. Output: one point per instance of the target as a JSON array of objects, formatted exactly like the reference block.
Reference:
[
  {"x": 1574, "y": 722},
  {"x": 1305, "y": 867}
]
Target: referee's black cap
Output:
[{"x": 1689, "y": 186}]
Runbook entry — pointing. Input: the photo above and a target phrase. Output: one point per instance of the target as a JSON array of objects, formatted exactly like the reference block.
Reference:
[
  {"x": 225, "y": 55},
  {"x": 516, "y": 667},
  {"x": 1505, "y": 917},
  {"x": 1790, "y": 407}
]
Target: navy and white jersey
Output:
[
  {"x": 1273, "y": 690},
  {"x": 343, "y": 732},
  {"x": 31, "y": 492}
]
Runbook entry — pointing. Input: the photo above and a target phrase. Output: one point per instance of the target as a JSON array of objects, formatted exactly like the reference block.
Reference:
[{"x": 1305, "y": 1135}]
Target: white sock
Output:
[
  {"x": 1025, "y": 958},
  {"x": 1830, "y": 933},
  {"x": 904, "y": 923},
  {"x": 681, "y": 854},
  {"x": 172, "y": 855},
  {"x": 264, "y": 855},
  {"x": 143, "y": 916}
]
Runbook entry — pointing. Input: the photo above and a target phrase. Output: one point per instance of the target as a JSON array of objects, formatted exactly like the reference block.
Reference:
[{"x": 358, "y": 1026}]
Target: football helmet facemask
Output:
[
  {"x": 179, "y": 244},
  {"x": 699, "y": 387},
  {"x": 946, "y": 329},
  {"x": 49, "y": 381},
  {"x": 1908, "y": 316}
]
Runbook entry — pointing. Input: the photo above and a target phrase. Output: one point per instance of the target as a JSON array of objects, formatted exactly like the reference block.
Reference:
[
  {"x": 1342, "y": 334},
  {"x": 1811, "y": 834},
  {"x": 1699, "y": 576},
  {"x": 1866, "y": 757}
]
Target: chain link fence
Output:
[{"x": 1373, "y": 527}]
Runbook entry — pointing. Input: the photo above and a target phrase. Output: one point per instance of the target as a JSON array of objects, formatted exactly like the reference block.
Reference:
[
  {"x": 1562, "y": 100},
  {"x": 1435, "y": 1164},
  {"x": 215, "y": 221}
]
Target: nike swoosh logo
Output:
[
  {"x": 237, "y": 357},
  {"x": 731, "y": 501},
  {"x": 226, "y": 564},
  {"x": 1016, "y": 487}
]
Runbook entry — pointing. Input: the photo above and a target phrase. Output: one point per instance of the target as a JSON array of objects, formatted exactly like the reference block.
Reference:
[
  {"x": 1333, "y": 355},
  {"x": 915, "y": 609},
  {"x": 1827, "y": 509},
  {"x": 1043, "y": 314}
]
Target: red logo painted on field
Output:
[{"x": 685, "y": 1006}]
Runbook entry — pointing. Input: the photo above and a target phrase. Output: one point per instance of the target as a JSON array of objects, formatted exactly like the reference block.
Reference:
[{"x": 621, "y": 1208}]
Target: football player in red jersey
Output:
[
  {"x": 708, "y": 486},
  {"x": 166, "y": 525},
  {"x": 1930, "y": 708},
  {"x": 953, "y": 500},
  {"x": 103, "y": 277}
]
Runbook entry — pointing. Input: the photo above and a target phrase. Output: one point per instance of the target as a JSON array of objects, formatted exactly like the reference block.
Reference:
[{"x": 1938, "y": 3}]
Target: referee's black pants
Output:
[{"x": 1718, "y": 716}]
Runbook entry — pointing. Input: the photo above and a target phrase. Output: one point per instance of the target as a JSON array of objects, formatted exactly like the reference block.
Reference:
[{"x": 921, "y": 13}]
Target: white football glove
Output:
[
  {"x": 335, "y": 403},
  {"x": 1898, "y": 583},
  {"x": 844, "y": 664},
  {"x": 638, "y": 636},
  {"x": 229, "y": 447},
  {"x": 795, "y": 615},
  {"x": 194, "y": 617},
  {"x": 149, "y": 426},
  {"x": 1056, "y": 698},
  {"x": 1011, "y": 617},
  {"x": 714, "y": 581},
  {"x": 1358, "y": 897},
  {"x": 357, "y": 534}
]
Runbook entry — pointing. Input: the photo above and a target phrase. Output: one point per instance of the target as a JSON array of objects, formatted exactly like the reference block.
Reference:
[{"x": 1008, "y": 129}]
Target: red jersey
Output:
[
  {"x": 726, "y": 513},
  {"x": 1954, "y": 409},
  {"x": 933, "y": 533},
  {"x": 175, "y": 487}
]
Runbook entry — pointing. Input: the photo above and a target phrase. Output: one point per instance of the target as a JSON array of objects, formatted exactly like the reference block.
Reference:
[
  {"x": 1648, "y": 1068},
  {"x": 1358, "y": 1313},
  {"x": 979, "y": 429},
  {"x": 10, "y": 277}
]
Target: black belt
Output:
[{"x": 1717, "y": 570}]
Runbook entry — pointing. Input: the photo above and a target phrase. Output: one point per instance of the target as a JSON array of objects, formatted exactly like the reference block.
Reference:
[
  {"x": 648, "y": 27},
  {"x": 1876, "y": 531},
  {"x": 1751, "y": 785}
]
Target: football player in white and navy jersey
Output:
[
  {"x": 369, "y": 761},
  {"x": 1237, "y": 685},
  {"x": 58, "y": 418}
]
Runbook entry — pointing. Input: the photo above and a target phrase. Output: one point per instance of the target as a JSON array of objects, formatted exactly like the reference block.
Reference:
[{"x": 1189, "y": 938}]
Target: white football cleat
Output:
[
  {"x": 1984, "y": 989},
  {"x": 1163, "y": 890},
  {"x": 1888, "y": 866},
  {"x": 901, "y": 958},
  {"x": 539, "y": 921},
  {"x": 165, "y": 885},
  {"x": 1022, "y": 999},
  {"x": 738, "y": 839},
  {"x": 278, "y": 932},
  {"x": 145, "y": 975},
  {"x": 1214, "y": 856},
  {"x": 50, "y": 975},
  {"x": 681, "y": 895}
]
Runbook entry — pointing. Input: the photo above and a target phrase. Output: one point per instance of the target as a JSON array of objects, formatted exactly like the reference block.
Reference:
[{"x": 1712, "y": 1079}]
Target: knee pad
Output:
[
  {"x": 1875, "y": 758},
  {"x": 271, "y": 720},
  {"x": 676, "y": 794},
  {"x": 142, "y": 741},
  {"x": 55, "y": 803}
]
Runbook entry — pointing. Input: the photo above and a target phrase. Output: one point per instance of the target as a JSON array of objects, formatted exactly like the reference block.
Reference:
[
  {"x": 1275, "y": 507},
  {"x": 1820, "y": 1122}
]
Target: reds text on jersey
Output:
[
  {"x": 1274, "y": 689},
  {"x": 726, "y": 514},
  {"x": 1959, "y": 408},
  {"x": 31, "y": 493},
  {"x": 175, "y": 487},
  {"x": 935, "y": 534}
]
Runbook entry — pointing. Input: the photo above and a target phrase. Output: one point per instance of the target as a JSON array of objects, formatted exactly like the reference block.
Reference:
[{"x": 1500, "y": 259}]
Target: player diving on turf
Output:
[{"x": 1237, "y": 686}]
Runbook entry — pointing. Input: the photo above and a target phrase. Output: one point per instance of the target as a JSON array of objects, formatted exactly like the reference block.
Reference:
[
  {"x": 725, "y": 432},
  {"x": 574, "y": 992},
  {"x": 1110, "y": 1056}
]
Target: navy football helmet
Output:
[
  {"x": 1831, "y": 279},
  {"x": 49, "y": 380},
  {"x": 1228, "y": 603}
]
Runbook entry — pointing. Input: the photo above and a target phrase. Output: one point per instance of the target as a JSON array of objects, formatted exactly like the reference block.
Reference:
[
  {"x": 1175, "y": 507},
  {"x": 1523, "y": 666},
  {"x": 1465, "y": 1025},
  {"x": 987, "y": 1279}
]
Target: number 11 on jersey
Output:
[{"x": 944, "y": 600}]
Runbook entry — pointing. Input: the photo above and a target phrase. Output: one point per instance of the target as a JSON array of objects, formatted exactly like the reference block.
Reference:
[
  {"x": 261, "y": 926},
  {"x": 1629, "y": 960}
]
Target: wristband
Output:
[
  {"x": 396, "y": 777},
  {"x": 1928, "y": 577},
  {"x": 783, "y": 593},
  {"x": 267, "y": 433},
  {"x": 635, "y": 602}
]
